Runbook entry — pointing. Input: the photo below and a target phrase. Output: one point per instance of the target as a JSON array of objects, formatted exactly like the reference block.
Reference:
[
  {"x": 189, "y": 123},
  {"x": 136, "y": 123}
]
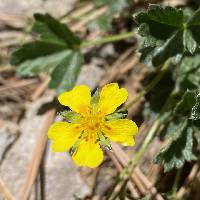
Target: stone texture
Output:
[{"x": 62, "y": 177}]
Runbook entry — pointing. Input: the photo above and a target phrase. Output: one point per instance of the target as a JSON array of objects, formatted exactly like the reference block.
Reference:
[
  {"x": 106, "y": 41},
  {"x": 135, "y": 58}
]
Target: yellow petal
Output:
[
  {"x": 111, "y": 97},
  {"x": 63, "y": 135},
  {"x": 78, "y": 99},
  {"x": 88, "y": 154},
  {"x": 121, "y": 130}
]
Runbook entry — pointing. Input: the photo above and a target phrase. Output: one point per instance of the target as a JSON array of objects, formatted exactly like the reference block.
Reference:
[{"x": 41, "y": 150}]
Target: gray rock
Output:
[
  {"x": 62, "y": 177},
  {"x": 91, "y": 74},
  {"x": 8, "y": 134}
]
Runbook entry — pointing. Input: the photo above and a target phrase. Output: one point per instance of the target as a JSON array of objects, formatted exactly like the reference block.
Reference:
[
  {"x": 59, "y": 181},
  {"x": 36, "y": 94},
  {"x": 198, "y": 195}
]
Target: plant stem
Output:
[
  {"x": 176, "y": 182},
  {"x": 151, "y": 85},
  {"x": 108, "y": 39}
]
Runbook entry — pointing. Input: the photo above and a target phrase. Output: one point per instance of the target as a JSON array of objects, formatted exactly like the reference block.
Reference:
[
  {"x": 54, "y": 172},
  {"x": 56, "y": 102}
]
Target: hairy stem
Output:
[{"x": 108, "y": 39}]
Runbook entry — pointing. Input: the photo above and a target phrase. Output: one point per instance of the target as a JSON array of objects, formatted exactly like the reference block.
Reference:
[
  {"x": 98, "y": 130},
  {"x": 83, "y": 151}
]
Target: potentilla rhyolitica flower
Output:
[{"x": 92, "y": 123}]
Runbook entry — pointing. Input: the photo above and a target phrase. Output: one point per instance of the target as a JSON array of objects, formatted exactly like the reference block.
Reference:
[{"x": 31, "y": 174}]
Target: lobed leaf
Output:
[
  {"x": 177, "y": 152},
  {"x": 54, "y": 52},
  {"x": 167, "y": 33}
]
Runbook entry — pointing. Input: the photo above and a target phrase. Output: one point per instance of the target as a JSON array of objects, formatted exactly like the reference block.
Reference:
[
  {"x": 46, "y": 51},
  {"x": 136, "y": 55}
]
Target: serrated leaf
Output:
[
  {"x": 178, "y": 152},
  {"x": 184, "y": 106},
  {"x": 195, "y": 115},
  {"x": 189, "y": 43},
  {"x": 175, "y": 128},
  {"x": 167, "y": 34},
  {"x": 188, "y": 72},
  {"x": 54, "y": 52},
  {"x": 65, "y": 74}
]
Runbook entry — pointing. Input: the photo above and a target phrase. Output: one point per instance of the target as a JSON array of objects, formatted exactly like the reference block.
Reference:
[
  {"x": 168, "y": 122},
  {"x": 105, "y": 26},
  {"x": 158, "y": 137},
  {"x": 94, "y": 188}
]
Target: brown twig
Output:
[
  {"x": 119, "y": 167},
  {"x": 114, "y": 69},
  {"x": 40, "y": 89},
  {"x": 36, "y": 157},
  {"x": 183, "y": 190},
  {"x": 141, "y": 181},
  {"x": 5, "y": 191},
  {"x": 18, "y": 84}
]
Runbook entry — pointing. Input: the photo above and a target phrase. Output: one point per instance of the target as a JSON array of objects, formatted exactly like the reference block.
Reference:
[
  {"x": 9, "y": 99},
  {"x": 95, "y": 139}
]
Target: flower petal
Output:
[
  {"x": 78, "y": 99},
  {"x": 111, "y": 97},
  {"x": 121, "y": 130},
  {"x": 88, "y": 154},
  {"x": 63, "y": 135}
]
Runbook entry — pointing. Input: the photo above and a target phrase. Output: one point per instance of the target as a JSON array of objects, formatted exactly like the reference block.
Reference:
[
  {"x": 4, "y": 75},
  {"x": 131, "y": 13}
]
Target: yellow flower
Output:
[{"x": 92, "y": 124}]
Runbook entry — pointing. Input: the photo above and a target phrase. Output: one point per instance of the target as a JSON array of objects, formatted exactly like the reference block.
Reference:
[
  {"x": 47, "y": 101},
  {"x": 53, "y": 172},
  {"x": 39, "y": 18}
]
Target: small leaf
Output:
[
  {"x": 175, "y": 128},
  {"x": 167, "y": 33},
  {"x": 54, "y": 52},
  {"x": 184, "y": 107},
  {"x": 65, "y": 73},
  {"x": 179, "y": 151},
  {"x": 195, "y": 115},
  {"x": 188, "y": 72},
  {"x": 188, "y": 41}
]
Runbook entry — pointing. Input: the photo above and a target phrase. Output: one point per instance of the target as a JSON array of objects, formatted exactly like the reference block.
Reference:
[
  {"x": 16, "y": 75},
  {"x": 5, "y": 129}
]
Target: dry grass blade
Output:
[
  {"x": 36, "y": 157},
  {"x": 114, "y": 69},
  {"x": 18, "y": 84},
  {"x": 40, "y": 89},
  {"x": 5, "y": 191},
  {"x": 119, "y": 167},
  {"x": 141, "y": 181},
  {"x": 183, "y": 190}
]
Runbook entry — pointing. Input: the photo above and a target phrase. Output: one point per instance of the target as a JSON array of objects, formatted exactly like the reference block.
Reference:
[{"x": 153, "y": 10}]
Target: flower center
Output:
[{"x": 92, "y": 122}]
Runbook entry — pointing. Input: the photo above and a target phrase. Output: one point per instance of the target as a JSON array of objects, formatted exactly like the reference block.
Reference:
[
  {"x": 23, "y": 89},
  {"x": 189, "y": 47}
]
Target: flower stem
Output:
[
  {"x": 151, "y": 84},
  {"x": 108, "y": 39}
]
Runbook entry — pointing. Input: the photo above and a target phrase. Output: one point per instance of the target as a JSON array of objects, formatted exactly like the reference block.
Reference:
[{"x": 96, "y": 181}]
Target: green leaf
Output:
[
  {"x": 167, "y": 32},
  {"x": 195, "y": 115},
  {"x": 177, "y": 152},
  {"x": 188, "y": 72},
  {"x": 175, "y": 128},
  {"x": 65, "y": 74},
  {"x": 189, "y": 43},
  {"x": 53, "y": 31},
  {"x": 54, "y": 51},
  {"x": 184, "y": 106}
]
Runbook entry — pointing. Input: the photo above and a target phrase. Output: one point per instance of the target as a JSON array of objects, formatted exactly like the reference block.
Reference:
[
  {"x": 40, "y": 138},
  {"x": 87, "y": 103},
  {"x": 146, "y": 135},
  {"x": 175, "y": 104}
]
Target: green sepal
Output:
[
  {"x": 104, "y": 141},
  {"x": 120, "y": 114},
  {"x": 70, "y": 116},
  {"x": 95, "y": 100}
]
